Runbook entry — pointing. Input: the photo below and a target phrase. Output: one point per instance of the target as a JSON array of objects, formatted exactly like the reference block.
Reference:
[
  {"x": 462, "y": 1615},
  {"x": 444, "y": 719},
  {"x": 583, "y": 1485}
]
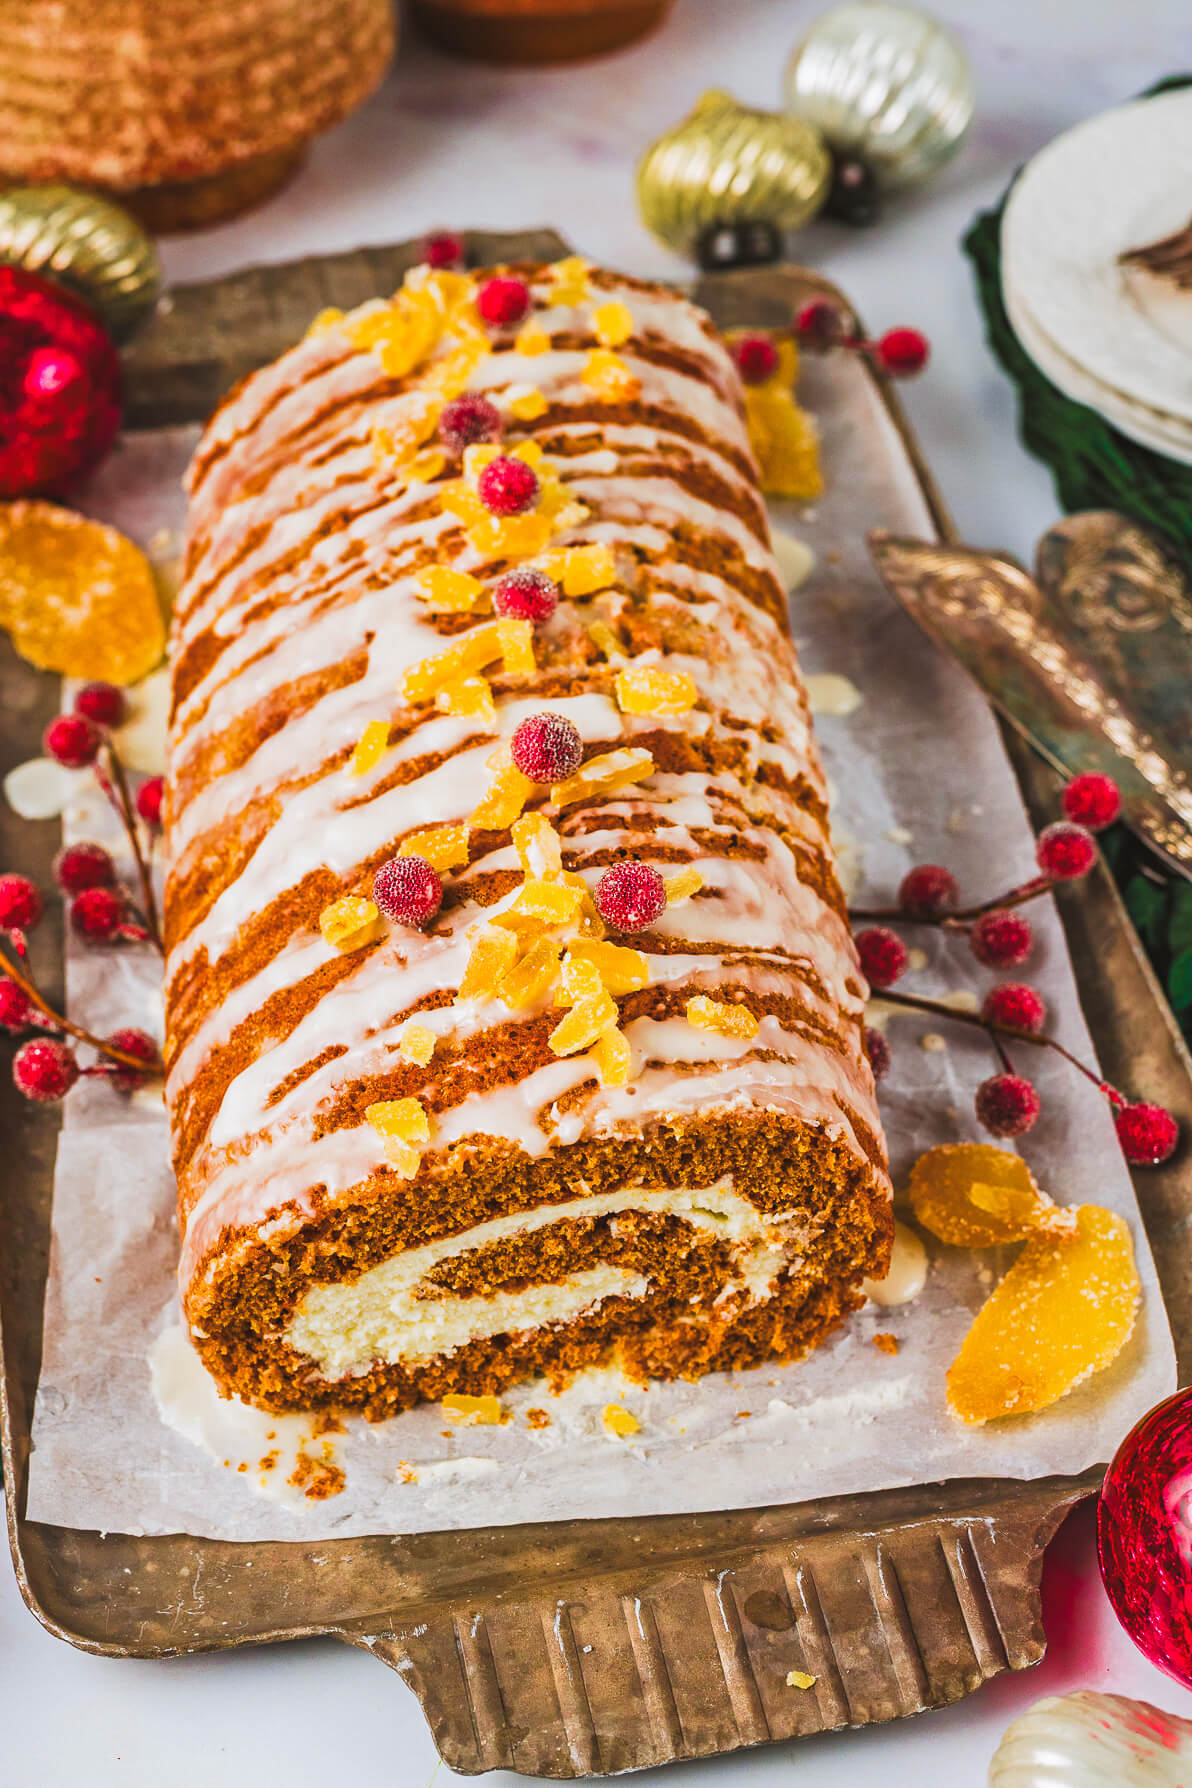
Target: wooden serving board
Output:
[{"x": 580, "y": 1647}]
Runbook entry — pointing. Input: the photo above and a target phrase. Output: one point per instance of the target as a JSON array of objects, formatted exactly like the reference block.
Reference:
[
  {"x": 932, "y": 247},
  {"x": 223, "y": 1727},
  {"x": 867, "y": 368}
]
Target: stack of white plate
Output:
[{"x": 1117, "y": 338}]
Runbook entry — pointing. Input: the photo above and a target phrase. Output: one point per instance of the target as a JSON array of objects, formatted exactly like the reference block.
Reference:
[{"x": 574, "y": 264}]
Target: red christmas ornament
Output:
[
  {"x": 818, "y": 325},
  {"x": 503, "y": 301},
  {"x": 59, "y": 387},
  {"x": 133, "y": 1042},
  {"x": 1144, "y": 1536},
  {"x": 878, "y": 1051}
]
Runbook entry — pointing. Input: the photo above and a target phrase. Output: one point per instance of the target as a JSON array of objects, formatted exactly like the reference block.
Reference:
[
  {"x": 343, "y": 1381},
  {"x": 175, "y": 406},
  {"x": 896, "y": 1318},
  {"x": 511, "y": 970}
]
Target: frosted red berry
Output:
[
  {"x": 101, "y": 703},
  {"x": 883, "y": 955},
  {"x": 44, "y": 1069},
  {"x": 547, "y": 747},
  {"x": 1001, "y": 939},
  {"x": 819, "y": 324},
  {"x": 1015, "y": 1004},
  {"x": 526, "y": 595},
  {"x": 16, "y": 1008},
  {"x": 507, "y": 486},
  {"x": 72, "y": 740},
  {"x": 408, "y": 890},
  {"x": 443, "y": 249},
  {"x": 97, "y": 914},
  {"x": 79, "y": 866},
  {"x": 503, "y": 300},
  {"x": 878, "y": 1051},
  {"x": 1065, "y": 852},
  {"x": 1093, "y": 801},
  {"x": 927, "y": 891},
  {"x": 469, "y": 420},
  {"x": 1148, "y": 1134},
  {"x": 756, "y": 358},
  {"x": 902, "y": 352},
  {"x": 1007, "y": 1105},
  {"x": 630, "y": 896},
  {"x": 20, "y": 903},
  {"x": 132, "y": 1042},
  {"x": 149, "y": 799}
]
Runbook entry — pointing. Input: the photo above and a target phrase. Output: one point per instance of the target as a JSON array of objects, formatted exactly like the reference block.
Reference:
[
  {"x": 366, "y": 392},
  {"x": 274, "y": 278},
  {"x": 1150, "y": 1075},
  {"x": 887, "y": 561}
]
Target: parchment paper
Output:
[{"x": 919, "y": 775}]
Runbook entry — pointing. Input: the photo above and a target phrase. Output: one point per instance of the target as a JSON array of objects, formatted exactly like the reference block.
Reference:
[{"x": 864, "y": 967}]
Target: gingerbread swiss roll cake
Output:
[{"x": 514, "y": 1023}]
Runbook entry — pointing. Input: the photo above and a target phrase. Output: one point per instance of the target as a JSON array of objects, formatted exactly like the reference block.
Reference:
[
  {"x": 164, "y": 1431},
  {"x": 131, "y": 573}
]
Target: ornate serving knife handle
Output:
[{"x": 990, "y": 614}]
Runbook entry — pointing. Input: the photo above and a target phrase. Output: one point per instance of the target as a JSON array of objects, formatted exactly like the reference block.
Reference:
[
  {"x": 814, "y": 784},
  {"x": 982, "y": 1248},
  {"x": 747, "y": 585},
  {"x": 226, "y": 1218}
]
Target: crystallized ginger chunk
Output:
[
  {"x": 613, "y": 323},
  {"x": 618, "y": 1421},
  {"x": 369, "y": 748},
  {"x": 714, "y": 1015},
  {"x": 603, "y": 774},
  {"x": 583, "y": 1024},
  {"x": 648, "y": 689},
  {"x": 448, "y": 592},
  {"x": 620, "y": 968},
  {"x": 538, "y": 849},
  {"x": 511, "y": 536},
  {"x": 415, "y": 1044},
  {"x": 425, "y": 467},
  {"x": 473, "y": 1412},
  {"x": 517, "y": 647},
  {"x": 527, "y": 404},
  {"x": 504, "y": 801},
  {"x": 551, "y": 903},
  {"x": 493, "y": 955},
  {"x": 607, "y": 375},
  {"x": 1064, "y": 1310},
  {"x": 682, "y": 886},
  {"x": 606, "y": 641},
  {"x": 350, "y": 923},
  {"x": 470, "y": 653},
  {"x": 582, "y": 570},
  {"x": 972, "y": 1195},
  {"x": 469, "y": 699},
  {"x": 613, "y": 1057},
  {"x": 569, "y": 279},
  {"x": 531, "y": 340},
  {"x": 404, "y": 1118},
  {"x": 530, "y": 977},
  {"x": 444, "y": 847}
]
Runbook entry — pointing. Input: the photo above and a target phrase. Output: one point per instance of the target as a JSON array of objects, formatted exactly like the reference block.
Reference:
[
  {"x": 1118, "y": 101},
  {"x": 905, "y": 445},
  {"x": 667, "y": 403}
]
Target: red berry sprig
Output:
[
  {"x": 820, "y": 325},
  {"x": 45, "y": 1068},
  {"x": 79, "y": 739},
  {"x": 443, "y": 250}
]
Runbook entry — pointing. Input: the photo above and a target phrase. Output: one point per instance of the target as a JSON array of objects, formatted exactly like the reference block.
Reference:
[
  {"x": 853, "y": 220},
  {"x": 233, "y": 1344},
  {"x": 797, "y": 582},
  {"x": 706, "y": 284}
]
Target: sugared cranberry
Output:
[
  {"x": 902, "y": 352},
  {"x": 878, "y": 1051},
  {"x": 44, "y": 1069},
  {"x": 72, "y": 740},
  {"x": 503, "y": 300},
  {"x": 97, "y": 914},
  {"x": 1015, "y": 1004},
  {"x": 79, "y": 866},
  {"x": 101, "y": 703},
  {"x": 132, "y": 1042},
  {"x": 1007, "y": 1105},
  {"x": 927, "y": 891},
  {"x": 1092, "y": 801},
  {"x": 1065, "y": 852},
  {"x": 547, "y": 748},
  {"x": 883, "y": 955},
  {"x": 507, "y": 486},
  {"x": 20, "y": 903},
  {"x": 756, "y": 358},
  {"x": 630, "y": 896},
  {"x": 526, "y": 595},
  {"x": 819, "y": 324},
  {"x": 16, "y": 1008},
  {"x": 468, "y": 420},
  {"x": 408, "y": 890},
  {"x": 1001, "y": 939},
  {"x": 1148, "y": 1134},
  {"x": 443, "y": 249},
  {"x": 149, "y": 798}
]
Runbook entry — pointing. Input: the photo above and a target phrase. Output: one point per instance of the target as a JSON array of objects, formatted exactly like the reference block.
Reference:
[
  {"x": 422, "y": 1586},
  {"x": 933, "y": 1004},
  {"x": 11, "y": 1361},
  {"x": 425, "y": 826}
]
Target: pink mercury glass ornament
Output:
[{"x": 1144, "y": 1536}]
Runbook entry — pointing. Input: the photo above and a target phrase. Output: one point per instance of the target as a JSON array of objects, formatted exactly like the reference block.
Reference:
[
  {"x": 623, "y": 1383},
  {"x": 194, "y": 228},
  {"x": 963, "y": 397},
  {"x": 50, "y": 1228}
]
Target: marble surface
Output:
[{"x": 446, "y": 144}]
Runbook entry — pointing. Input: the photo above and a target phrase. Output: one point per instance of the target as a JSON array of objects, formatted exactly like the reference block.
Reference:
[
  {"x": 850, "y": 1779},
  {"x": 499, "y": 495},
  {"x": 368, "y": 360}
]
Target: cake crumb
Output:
[
  {"x": 618, "y": 1421},
  {"x": 885, "y": 1342},
  {"x": 537, "y": 1418},
  {"x": 741, "y": 1414},
  {"x": 406, "y": 1473},
  {"x": 473, "y": 1412},
  {"x": 243, "y": 1465},
  {"x": 799, "y": 1679},
  {"x": 268, "y": 1462},
  {"x": 932, "y": 1042},
  {"x": 317, "y": 1476}
]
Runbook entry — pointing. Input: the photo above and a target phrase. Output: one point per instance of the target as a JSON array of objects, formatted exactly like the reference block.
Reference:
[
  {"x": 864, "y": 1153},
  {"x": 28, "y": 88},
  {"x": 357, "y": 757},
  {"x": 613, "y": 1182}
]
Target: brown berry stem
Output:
[
  {"x": 939, "y": 1009},
  {"x": 960, "y": 918},
  {"x": 27, "y": 986},
  {"x": 115, "y": 785}
]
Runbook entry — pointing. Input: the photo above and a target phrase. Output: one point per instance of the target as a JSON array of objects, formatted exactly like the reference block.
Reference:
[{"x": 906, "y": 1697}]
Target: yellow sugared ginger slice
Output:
[
  {"x": 470, "y": 653},
  {"x": 619, "y": 968},
  {"x": 550, "y": 903},
  {"x": 531, "y": 339},
  {"x": 530, "y": 977},
  {"x": 613, "y": 1057},
  {"x": 973, "y": 1195},
  {"x": 425, "y": 467},
  {"x": 401, "y": 1123},
  {"x": 444, "y": 847},
  {"x": 538, "y": 848},
  {"x": 393, "y": 448},
  {"x": 607, "y": 375},
  {"x": 370, "y": 748},
  {"x": 526, "y": 403},
  {"x": 472, "y": 1412},
  {"x": 569, "y": 279},
  {"x": 799, "y": 1679},
  {"x": 471, "y": 699},
  {"x": 493, "y": 954},
  {"x": 714, "y": 1015},
  {"x": 448, "y": 592},
  {"x": 517, "y": 647},
  {"x": 618, "y": 1421},
  {"x": 511, "y": 536},
  {"x": 603, "y": 774},
  {"x": 682, "y": 886},
  {"x": 350, "y": 923},
  {"x": 415, "y": 1043},
  {"x": 504, "y": 801},
  {"x": 583, "y": 1024},
  {"x": 648, "y": 689},
  {"x": 325, "y": 321},
  {"x": 613, "y": 323},
  {"x": 606, "y": 641},
  {"x": 582, "y": 570},
  {"x": 1064, "y": 1310}
]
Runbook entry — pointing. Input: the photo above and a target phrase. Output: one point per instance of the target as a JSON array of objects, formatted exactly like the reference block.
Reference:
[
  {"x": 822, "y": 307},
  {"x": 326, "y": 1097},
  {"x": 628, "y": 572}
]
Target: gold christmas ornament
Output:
[
  {"x": 85, "y": 243},
  {"x": 728, "y": 164},
  {"x": 885, "y": 83}
]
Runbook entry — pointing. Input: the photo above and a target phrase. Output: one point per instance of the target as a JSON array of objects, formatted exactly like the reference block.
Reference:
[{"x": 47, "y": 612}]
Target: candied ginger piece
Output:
[
  {"x": 569, "y": 279},
  {"x": 470, "y": 653},
  {"x": 581, "y": 980},
  {"x": 415, "y": 1043},
  {"x": 972, "y": 1195},
  {"x": 529, "y": 451},
  {"x": 517, "y": 647},
  {"x": 402, "y": 1156},
  {"x": 605, "y": 640},
  {"x": 648, "y": 689},
  {"x": 526, "y": 403},
  {"x": 493, "y": 954},
  {"x": 459, "y": 499},
  {"x": 448, "y": 592},
  {"x": 613, "y": 323},
  {"x": 510, "y": 536},
  {"x": 325, "y": 321},
  {"x": 473, "y": 1412},
  {"x": 404, "y": 1118},
  {"x": 531, "y": 976},
  {"x": 425, "y": 467},
  {"x": 607, "y": 375},
  {"x": 799, "y": 1679},
  {"x": 531, "y": 339},
  {"x": 553, "y": 903},
  {"x": 583, "y": 1024},
  {"x": 444, "y": 847},
  {"x": 504, "y": 801},
  {"x": 714, "y": 1015},
  {"x": 470, "y": 698},
  {"x": 603, "y": 774},
  {"x": 478, "y": 455},
  {"x": 1064, "y": 1310},
  {"x": 449, "y": 376},
  {"x": 613, "y": 1056},
  {"x": 682, "y": 886},
  {"x": 538, "y": 848},
  {"x": 618, "y": 1421},
  {"x": 369, "y": 748},
  {"x": 586, "y": 569},
  {"x": 350, "y": 923},
  {"x": 786, "y": 442},
  {"x": 621, "y": 969}
]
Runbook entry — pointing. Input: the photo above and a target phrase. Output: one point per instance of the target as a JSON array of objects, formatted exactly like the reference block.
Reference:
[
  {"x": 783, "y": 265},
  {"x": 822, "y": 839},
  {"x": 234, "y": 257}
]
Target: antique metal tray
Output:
[{"x": 579, "y": 1647}]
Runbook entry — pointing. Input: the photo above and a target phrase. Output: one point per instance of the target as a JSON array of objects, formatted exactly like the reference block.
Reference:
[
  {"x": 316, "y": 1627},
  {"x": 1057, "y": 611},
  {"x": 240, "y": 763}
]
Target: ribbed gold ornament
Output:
[
  {"x": 728, "y": 164},
  {"x": 87, "y": 244}
]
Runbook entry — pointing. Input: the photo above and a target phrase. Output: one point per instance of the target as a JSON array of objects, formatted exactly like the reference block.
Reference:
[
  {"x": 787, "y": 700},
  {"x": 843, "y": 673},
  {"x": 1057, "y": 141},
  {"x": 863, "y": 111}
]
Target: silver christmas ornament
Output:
[{"x": 1089, "y": 1740}]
